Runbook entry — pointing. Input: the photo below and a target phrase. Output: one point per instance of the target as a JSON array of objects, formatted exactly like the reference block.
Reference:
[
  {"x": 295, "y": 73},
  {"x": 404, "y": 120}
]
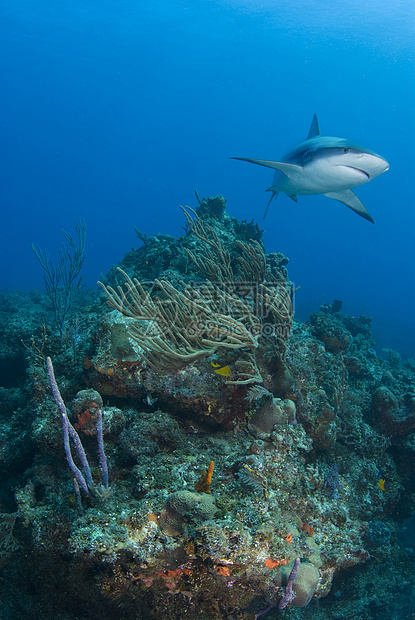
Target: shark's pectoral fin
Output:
[
  {"x": 294, "y": 197},
  {"x": 288, "y": 169},
  {"x": 348, "y": 198}
]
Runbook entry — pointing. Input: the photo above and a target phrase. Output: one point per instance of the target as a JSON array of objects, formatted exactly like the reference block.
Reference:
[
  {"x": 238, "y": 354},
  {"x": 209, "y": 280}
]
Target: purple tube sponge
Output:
[
  {"x": 84, "y": 477},
  {"x": 102, "y": 457},
  {"x": 289, "y": 594}
]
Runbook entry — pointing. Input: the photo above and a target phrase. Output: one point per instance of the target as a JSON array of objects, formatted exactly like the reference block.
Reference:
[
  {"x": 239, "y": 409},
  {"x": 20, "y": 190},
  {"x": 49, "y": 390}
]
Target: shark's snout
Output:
[{"x": 374, "y": 166}]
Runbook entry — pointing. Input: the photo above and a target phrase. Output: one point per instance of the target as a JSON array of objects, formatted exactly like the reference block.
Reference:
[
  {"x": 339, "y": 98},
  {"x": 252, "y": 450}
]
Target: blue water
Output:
[{"x": 116, "y": 112}]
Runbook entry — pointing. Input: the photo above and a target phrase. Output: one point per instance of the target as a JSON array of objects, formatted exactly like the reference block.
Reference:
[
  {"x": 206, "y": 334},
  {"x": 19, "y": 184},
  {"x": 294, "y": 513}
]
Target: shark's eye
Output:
[{"x": 346, "y": 150}]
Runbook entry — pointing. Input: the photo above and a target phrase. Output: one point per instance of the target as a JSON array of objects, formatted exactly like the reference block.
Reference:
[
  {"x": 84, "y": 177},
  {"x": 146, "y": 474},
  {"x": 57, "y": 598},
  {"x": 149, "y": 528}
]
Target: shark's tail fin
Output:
[{"x": 274, "y": 195}]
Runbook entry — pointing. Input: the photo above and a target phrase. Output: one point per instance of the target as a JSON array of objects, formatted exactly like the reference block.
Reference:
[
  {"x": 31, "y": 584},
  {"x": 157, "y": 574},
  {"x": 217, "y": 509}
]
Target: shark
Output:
[{"x": 324, "y": 165}]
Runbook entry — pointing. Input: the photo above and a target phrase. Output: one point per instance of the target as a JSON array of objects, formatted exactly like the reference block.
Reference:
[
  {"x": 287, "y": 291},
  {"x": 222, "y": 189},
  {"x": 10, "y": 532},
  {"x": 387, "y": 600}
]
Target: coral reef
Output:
[{"x": 259, "y": 468}]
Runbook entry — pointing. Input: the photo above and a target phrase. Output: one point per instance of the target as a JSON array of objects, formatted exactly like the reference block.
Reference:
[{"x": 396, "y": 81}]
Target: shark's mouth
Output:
[{"x": 360, "y": 170}]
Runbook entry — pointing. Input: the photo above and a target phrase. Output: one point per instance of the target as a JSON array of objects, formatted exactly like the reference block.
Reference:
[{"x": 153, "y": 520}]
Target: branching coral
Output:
[
  {"x": 63, "y": 278},
  {"x": 175, "y": 327}
]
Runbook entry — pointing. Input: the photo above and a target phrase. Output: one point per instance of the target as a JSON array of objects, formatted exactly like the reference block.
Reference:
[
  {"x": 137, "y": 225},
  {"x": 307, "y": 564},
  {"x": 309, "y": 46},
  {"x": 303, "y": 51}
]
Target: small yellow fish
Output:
[
  {"x": 381, "y": 483},
  {"x": 224, "y": 372}
]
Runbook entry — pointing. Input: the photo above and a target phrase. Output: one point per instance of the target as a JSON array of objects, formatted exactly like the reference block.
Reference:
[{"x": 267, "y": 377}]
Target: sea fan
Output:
[
  {"x": 253, "y": 480},
  {"x": 256, "y": 392}
]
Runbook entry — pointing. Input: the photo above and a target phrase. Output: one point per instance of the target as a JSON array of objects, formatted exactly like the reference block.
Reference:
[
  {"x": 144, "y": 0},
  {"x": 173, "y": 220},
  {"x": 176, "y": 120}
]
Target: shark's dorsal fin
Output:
[{"x": 314, "y": 128}]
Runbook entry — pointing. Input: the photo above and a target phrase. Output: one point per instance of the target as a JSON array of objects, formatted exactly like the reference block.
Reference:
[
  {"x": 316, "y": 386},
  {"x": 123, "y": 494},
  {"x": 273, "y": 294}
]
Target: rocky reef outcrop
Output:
[{"x": 288, "y": 448}]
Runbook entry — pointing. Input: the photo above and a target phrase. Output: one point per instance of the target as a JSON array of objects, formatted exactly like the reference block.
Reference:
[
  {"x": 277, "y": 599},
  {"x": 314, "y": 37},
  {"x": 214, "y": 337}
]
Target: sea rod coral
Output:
[{"x": 175, "y": 326}]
